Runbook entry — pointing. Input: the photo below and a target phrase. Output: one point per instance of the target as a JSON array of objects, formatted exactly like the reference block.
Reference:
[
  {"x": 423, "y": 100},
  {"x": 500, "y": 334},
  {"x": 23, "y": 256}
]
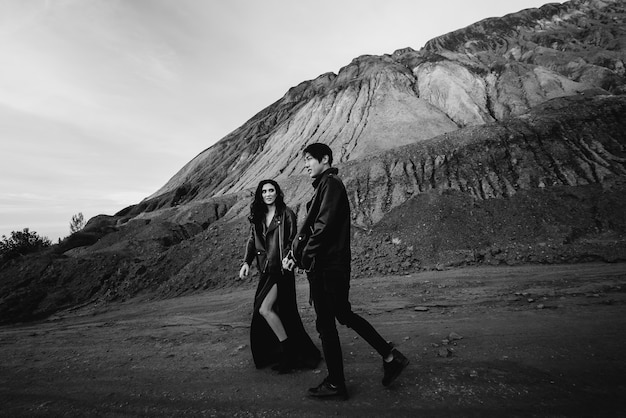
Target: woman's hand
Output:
[
  {"x": 243, "y": 272},
  {"x": 288, "y": 263}
]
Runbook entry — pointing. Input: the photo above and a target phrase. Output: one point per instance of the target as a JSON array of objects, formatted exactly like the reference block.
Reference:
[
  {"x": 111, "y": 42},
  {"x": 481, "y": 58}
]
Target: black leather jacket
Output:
[
  {"x": 269, "y": 250},
  {"x": 326, "y": 228}
]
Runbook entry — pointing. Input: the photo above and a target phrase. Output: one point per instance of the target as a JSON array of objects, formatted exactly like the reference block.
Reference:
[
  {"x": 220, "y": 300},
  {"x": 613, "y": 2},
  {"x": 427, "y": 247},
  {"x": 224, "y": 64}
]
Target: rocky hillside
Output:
[
  {"x": 581, "y": 40},
  {"x": 503, "y": 142},
  {"x": 494, "y": 69}
]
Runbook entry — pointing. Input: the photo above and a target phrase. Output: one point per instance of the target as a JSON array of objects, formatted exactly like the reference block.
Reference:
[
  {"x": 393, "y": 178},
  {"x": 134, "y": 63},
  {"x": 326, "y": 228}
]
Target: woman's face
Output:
[{"x": 268, "y": 193}]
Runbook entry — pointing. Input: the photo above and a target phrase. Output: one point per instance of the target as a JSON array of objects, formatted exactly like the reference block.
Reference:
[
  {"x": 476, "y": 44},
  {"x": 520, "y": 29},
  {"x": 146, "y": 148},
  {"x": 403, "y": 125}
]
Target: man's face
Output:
[
  {"x": 313, "y": 166},
  {"x": 268, "y": 193}
]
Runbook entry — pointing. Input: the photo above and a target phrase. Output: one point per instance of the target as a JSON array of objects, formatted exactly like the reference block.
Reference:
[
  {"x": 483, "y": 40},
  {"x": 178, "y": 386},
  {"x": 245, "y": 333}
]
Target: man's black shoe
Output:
[
  {"x": 393, "y": 368},
  {"x": 327, "y": 390}
]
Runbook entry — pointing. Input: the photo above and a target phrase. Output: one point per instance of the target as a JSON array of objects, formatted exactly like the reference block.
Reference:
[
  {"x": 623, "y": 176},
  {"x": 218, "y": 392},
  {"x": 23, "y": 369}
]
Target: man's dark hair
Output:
[{"x": 318, "y": 150}]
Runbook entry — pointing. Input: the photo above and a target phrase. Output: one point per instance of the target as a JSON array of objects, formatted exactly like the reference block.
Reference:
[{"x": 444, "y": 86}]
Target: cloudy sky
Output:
[{"x": 102, "y": 101}]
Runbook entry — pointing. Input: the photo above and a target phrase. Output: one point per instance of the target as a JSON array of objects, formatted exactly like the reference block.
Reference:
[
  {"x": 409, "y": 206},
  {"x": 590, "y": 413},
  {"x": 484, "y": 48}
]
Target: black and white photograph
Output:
[{"x": 287, "y": 208}]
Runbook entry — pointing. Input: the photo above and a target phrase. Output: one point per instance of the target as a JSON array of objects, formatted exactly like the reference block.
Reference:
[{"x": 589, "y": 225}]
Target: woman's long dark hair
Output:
[{"x": 258, "y": 208}]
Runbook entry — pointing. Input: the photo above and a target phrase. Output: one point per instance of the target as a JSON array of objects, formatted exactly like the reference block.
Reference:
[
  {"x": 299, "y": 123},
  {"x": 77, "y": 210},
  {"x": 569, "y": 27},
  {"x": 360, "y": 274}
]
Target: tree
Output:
[
  {"x": 77, "y": 223},
  {"x": 21, "y": 243}
]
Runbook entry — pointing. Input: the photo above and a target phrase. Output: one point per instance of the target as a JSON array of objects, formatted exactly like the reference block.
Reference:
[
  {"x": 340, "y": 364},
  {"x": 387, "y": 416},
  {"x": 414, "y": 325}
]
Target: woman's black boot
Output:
[{"x": 287, "y": 357}]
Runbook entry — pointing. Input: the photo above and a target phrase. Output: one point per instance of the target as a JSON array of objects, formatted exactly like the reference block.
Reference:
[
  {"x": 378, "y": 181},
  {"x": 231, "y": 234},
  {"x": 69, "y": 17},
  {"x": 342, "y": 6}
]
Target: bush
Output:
[
  {"x": 21, "y": 243},
  {"x": 77, "y": 223}
]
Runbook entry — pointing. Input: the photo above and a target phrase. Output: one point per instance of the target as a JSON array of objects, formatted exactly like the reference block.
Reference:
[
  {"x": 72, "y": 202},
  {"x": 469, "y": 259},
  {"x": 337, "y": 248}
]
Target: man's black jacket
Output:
[{"x": 327, "y": 226}]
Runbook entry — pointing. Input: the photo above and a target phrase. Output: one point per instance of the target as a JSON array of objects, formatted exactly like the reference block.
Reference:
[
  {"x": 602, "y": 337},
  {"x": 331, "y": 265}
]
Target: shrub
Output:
[
  {"x": 21, "y": 243},
  {"x": 77, "y": 223}
]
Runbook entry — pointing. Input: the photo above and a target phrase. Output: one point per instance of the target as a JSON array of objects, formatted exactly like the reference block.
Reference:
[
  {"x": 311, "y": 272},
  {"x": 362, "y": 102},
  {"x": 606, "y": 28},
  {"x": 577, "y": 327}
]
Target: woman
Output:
[{"x": 276, "y": 333}]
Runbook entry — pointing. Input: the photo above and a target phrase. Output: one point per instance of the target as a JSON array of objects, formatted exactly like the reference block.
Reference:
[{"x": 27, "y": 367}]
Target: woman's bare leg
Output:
[{"x": 270, "y": 316}]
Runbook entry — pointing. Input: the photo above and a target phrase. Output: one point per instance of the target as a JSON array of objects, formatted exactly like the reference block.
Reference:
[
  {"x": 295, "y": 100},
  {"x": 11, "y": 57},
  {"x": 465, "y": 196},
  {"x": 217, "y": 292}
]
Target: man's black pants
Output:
[{"x": 330, "y": 291}]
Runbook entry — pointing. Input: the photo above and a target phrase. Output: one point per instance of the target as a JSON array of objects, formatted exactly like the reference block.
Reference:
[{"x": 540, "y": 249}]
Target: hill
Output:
[{"x": 502, "y": 142}]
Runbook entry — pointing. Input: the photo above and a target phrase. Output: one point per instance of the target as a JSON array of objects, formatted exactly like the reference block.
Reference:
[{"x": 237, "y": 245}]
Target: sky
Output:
[{"x": 103, "y": 101}]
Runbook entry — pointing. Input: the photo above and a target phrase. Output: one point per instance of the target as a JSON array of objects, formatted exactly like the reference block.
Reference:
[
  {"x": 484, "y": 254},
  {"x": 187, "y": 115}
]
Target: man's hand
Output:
[{"x": 288, "y": 263}]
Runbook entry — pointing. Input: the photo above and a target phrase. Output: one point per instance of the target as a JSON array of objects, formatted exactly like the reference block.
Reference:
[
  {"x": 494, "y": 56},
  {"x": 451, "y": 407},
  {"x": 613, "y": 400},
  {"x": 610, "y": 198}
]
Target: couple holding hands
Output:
[{"x": 322, "y": 248}]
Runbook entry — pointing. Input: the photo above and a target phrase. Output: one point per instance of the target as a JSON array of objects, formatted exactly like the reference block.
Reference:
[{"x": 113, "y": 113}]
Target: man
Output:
[{"x": 322, "y": 248}]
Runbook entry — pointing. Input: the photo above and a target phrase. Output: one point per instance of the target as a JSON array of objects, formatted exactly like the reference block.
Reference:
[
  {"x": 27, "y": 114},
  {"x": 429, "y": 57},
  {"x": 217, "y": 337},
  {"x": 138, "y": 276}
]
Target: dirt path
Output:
[{"x": 536, "y": 341}]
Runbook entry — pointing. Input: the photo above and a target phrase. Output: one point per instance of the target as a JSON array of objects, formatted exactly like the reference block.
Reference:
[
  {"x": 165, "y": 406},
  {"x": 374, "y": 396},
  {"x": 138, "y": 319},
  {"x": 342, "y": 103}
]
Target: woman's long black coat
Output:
[{"x": 269, "y": 249}]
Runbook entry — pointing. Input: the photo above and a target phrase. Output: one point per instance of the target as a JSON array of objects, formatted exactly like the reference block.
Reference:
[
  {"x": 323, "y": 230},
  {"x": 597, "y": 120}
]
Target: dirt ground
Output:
[{"x": 534, "y": 340}]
